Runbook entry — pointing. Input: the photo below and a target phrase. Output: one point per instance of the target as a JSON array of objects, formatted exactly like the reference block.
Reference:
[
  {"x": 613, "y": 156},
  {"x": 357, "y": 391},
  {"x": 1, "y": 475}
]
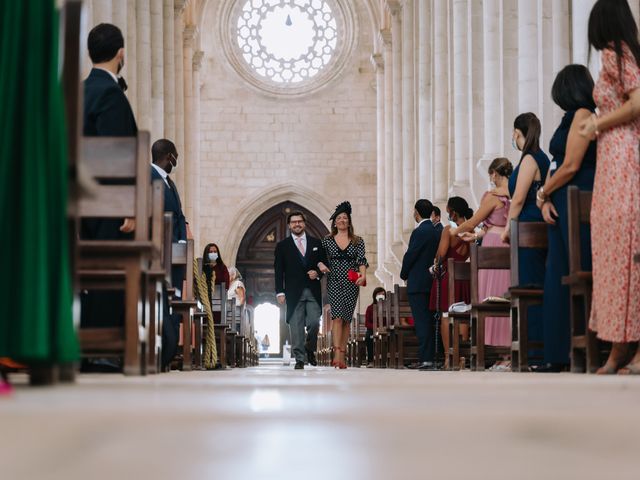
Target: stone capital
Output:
[
  {"x": 179, "y": 6},
  {"x": 377, "y": 60},
  {"x": 393, "y": 6},
  {"x": 190, "y": 34},
  {"x": 197, "y": 59},
  {"x": 385, "y": 37}
]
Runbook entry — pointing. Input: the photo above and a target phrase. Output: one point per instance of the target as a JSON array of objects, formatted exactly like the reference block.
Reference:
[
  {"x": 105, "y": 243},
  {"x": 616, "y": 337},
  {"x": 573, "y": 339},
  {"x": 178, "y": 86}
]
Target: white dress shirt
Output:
[{"x": 162, "y": 173}]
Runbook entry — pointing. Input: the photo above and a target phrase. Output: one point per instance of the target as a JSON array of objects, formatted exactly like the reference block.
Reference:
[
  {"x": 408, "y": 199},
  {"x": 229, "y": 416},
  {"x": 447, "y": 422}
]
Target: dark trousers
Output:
[
  {"x": 424, "y": 325},
  {"x": 368, "y": 340}
]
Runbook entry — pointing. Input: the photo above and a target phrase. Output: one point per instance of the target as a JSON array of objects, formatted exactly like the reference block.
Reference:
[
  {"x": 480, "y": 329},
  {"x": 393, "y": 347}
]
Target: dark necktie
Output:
[
  {"x": 122, "y": 84},
  {"x": 172, "y": 186}
]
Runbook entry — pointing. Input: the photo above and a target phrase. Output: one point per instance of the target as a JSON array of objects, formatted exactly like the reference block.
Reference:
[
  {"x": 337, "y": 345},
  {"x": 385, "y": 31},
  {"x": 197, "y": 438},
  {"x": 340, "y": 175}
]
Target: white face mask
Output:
[
  {"x": 213, "y": 257},
  {"x": 379, "y": 297}
]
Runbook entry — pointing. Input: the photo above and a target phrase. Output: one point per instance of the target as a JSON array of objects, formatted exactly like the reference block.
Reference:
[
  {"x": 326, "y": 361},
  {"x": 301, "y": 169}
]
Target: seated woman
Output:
[
  {"x": 493, "y": 212},
  {"x": 451, "y": 246},
  {"x": 236, "y": 290},
  {"x": 378, "y": 294}
]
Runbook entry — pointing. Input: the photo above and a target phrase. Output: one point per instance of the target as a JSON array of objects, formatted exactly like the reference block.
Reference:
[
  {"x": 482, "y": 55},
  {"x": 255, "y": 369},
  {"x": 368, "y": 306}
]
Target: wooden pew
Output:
[
  {"x": 121, "y": 167},
  {"x": 489, "y": 258},
  {"x": 381, "y": 332},
  {"x": 457, "y": 271},
  {"x": 182, "y": 255},
  {"x": 403, "y": 338},
  {"x": 219, "y": 304},
  {"x": 523, "y": 235},
  {"x": 584, "y": 344}
]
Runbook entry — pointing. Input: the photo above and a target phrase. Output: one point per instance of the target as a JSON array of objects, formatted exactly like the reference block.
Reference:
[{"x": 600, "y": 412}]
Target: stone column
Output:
[
  {"x": 378, "y": 65},
  {"x": 398, "y": 214},
  {"x": 119, "y": 15},
  {"x": 441, "y": 100},
  {"x": 169, "y": 72},
  {"x": 462, "y": 125},
  {"x": 179, "y": 89},
  {"x": 101, "y": 12},
  {"x": 528, "y": 53},
  {"x": 580, "y": 10},
  {"x": 143, "y": 62},
  {"x": 194, "y": 166},
  {"x": 390, "y": 261},
  {"x": 157, "y": 70},
  {"x": 190, "y": 34},
  {"x": 492, "y": 78},
  {"x": 408, "y": 120},
  {"x": 424, "y": 99},
  {"x": 130, "y": 71}
]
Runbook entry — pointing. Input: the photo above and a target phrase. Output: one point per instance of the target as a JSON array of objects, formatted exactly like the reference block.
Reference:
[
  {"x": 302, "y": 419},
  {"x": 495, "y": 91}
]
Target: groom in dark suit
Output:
[
  {"x": 298, "y": 285},
  {"x": 422, "y": 249}
]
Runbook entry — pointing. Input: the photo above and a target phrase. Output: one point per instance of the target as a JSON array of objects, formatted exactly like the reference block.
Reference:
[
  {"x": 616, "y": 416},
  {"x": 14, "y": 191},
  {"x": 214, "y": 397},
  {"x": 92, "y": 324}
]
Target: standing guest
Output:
[
  {"x": 423, "y": 245},
  {"x": 106, "y": 112},
  {"x": 451, "y": 246},
  {"x": 378, "y": 295},
  {"x": 527, "y": 177},
  {"x": 345, "y": 252},
  {"x": 298, "y": 286},
  {"x": 616, "y": 192},
  {"x": 165, "y": 158},
  {"x": 213, "y": 267},
  {"x": 237, "y": 289},
  {"x": 435, "y": 218},
  {"x": 574, "y": 163},
  {"x": 493, "y": 212}
]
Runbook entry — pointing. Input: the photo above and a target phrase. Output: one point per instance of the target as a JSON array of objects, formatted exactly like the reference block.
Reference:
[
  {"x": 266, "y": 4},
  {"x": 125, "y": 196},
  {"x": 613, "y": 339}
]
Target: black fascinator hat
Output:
[{"x": 344, "y": 207}]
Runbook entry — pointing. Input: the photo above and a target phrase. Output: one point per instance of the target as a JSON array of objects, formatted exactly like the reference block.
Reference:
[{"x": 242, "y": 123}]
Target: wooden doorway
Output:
[{"x": 256, "y": 254}]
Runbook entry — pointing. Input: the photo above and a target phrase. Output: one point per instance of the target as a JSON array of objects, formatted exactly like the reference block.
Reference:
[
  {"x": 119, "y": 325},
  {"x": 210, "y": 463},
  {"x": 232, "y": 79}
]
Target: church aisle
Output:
[{"x": 274, "y": 422}]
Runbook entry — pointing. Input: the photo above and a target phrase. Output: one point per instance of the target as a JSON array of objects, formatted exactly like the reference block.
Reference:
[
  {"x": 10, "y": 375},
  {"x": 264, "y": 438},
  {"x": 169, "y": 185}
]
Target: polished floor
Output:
[{"x": 272, "y": 422}]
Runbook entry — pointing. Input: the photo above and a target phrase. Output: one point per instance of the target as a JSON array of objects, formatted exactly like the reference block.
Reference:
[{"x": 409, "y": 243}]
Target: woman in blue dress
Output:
[
  {"x": 574, "y": 163},
  {"x": 523, "y": 184}
]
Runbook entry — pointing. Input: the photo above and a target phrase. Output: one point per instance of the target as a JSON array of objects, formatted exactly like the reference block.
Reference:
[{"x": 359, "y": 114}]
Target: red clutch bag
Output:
[{"x": 353, "y": 276}]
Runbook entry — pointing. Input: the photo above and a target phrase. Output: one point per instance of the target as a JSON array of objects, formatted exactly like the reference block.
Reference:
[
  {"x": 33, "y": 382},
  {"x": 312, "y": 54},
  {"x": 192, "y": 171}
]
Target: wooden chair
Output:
[
  {"x": 403, "y": 338},
  {"x": 584, "y": 344},
  {"x": 121, "y": 166},
  {"x": 489, "y": 258},
  {"x": 457, "y": 271},
  {"x": 524, "y": 235},
  {"x": 185, "y": 306},
  {"x": 219, "y": 304}
]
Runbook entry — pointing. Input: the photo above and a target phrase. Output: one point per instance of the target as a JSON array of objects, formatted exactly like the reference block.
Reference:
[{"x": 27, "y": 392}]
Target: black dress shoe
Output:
[
  {"x": 299, "y": 366},
  {"x": 428, "y": 366},
  {"x": 312, "y": 358},
  {"x": 413, "y": 366},
  {"x": 550, "y": 368}
]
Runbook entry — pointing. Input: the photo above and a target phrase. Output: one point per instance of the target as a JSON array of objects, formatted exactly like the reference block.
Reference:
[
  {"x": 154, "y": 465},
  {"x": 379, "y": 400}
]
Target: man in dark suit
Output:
[
  {"x": 106, "y": 113},
  {"x": 298, "y": 285},
  {"x": 419, "y": 256},
  {"x": 435, "y": 219},
  {"x": 165, "y": 158}
]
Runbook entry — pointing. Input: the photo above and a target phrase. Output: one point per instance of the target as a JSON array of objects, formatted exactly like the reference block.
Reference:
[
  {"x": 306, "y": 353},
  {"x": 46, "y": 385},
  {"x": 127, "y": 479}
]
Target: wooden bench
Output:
[
  {"x": 403, "y": 342},
  {"x": 487, "y": 258},
  {"x": 120, "y": 165},
  {"x": 524, "y": 235},
  {"x": 185, "y": 306},
  {"x": 584, "y": 344},
  {"x": 381, "y": 332},
  {"x": 222, "y": 334},
  {"x": 457, "y": 271}
]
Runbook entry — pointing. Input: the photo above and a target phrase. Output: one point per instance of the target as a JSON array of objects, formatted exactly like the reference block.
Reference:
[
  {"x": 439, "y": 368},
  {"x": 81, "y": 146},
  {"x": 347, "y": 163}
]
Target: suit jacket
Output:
[
  {"x": 423, "y": 246},
  {"x": 106, "y": 109},
  {"x": 173, "y": 204},
  {"x": 291, "y": 270}
]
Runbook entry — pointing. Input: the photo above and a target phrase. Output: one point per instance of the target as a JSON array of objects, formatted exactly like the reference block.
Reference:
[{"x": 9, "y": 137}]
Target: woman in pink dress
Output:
[
  {"x": 615, "y": 208},
  {"x": 493, "y": 211}
]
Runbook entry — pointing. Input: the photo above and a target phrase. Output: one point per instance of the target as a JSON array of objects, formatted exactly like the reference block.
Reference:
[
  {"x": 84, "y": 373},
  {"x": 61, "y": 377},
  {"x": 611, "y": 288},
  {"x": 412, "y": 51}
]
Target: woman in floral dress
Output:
[{"x": 615, "y": 209}]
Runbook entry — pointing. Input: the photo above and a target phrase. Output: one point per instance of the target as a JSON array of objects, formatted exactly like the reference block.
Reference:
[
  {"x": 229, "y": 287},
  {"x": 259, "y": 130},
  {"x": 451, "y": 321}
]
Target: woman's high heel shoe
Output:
[{"x": 341, "y": 365}]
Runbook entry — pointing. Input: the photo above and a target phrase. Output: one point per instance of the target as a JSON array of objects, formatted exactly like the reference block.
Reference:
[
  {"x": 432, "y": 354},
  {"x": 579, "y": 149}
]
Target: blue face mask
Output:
[{"x": 514, "y": 144}]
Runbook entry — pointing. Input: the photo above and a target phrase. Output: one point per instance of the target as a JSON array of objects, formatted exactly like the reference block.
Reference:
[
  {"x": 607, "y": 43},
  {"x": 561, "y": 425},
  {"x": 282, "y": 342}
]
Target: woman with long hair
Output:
[
  {"x": 451, "y": 246},
  {"x": 615, "y": 208},
  {"x": 573, "y": 163},
  {"x": 345, "y": 253},
  {"x": 212, "y": 264},
  {"x": 493, "y": 212}
]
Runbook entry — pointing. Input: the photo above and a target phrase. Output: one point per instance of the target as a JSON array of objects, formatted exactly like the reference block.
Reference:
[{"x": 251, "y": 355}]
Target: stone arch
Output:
[{"x": 249, "y": 211}]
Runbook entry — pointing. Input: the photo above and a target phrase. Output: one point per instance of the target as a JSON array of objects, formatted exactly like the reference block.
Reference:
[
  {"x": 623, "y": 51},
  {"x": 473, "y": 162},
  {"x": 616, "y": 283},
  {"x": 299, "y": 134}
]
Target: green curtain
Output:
[{"x": 36, "y": 323}]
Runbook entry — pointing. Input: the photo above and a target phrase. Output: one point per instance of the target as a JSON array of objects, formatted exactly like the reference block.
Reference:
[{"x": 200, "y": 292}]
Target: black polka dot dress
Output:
[{"x": 343, "y": 294}]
